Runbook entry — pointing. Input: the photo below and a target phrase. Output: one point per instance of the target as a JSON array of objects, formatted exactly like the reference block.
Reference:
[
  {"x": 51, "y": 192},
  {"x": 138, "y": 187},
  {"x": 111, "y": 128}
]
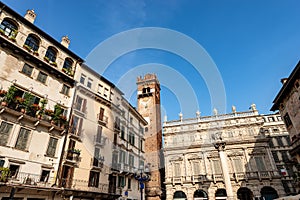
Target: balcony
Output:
[
  {"x": 35, "y": 119},
  {"x": 100, "y": 141},
  {"x": 98, "y": 162},
  {"x": 27, "y": 179},
  {"x": 217, "y": 177},
  {"x": 102, "y": 119},
  {"x": 177, "y": 180},
  {"x": 199, "y": 178},
  {"x": 84, "y": 185},
  {"x": 71, "y": 157}
]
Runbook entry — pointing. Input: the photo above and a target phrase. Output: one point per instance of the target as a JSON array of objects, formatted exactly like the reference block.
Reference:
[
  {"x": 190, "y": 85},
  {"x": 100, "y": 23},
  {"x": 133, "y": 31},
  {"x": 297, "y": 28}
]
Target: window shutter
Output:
[
  {"x": 79, "y": 127},
  {"x": 22, "y": 139},
  {"x": 52, "y": 147},
  {"x": 101, "y": 114},
  {"x": 260, "y": 163},
  {"x": 177, "y": 170},
  {"x": 99, "y": 134},
  {"x": 83, "y": 108},
  {"x": 5, "y": 129}
]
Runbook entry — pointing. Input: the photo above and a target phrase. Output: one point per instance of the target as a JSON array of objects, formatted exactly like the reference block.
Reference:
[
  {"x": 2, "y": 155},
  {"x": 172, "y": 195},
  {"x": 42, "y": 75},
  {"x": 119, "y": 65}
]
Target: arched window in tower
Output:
[
  {"x": 51, "y": 54},
  {"x": 32, "y": 42},
  {"x": 146, "y": 90},
  {"x": 9, "y": 28}
]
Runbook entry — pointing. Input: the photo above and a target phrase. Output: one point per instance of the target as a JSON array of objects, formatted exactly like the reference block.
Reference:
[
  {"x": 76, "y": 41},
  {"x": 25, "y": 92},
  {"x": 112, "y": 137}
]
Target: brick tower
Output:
[{"x": 148, "y": 94}]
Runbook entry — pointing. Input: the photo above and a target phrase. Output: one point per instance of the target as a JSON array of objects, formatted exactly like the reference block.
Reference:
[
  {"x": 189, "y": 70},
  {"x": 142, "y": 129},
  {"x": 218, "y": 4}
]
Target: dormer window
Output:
[
  {"x": 32, "y": 42},
  {"x": 9, "y": 28},
  {"x": 51, "y": 54}
]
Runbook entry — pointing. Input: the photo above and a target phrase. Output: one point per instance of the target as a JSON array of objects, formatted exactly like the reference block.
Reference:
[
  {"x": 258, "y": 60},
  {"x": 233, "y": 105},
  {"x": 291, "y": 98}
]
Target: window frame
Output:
[
  {"x": 19, "y": 143},
  {"x": 42, "y": 77},
  {"x": 27, "y": 70}
]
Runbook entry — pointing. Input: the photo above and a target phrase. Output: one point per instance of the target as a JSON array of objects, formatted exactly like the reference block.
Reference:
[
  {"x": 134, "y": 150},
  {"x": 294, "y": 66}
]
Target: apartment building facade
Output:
[
  {"x": 220, "y": 157},
  {"x": 37, "y": 85},
  {"x": 287, "y": 102}
]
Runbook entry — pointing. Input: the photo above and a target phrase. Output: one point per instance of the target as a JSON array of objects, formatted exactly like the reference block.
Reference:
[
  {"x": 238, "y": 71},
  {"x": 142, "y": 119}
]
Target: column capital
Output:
[{"x": 220, "y": 146}]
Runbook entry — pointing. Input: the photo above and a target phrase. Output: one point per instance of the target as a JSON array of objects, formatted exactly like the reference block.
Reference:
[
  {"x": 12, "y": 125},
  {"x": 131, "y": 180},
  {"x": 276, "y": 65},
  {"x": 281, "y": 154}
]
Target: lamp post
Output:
[{"x": 142, "y": 175}]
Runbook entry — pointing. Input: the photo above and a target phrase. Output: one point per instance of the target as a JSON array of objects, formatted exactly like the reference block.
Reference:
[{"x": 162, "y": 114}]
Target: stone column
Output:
[{"x": 220, "y": 146}]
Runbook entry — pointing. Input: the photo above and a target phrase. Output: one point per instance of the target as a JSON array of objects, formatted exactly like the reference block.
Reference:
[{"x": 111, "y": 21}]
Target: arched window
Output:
[
  {"x": 221, "y": 194},
  {"x": 51, "y": 54},
  {"x": 8, "y": 27},
  {"x": 179, "y": 195},
  {"x": 268, "y": 193},
  {"x": 200, "y": 195},
  {"x": 244, "y": 194},
  {"x": 32, "y": 42},
  {"x": 67, "y": 67},
  {"x": 68, "y": 64}
]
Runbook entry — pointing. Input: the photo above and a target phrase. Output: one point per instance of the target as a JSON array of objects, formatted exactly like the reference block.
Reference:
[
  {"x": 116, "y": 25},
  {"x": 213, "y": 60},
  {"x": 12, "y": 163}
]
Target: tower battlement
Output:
[{"x": 147, "y": 78}]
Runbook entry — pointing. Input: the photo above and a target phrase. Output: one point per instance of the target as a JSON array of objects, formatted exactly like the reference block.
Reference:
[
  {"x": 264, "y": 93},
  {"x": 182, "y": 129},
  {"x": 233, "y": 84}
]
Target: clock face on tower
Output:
[{"x": 145, "y": 103}]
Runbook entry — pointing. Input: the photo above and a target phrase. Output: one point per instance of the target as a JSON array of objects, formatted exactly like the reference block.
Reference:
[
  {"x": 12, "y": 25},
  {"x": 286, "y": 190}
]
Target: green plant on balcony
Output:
[
  {"x": 28, "y": 48},
  {"x": 2, "y": 32},
  {"x": 57, "y": 113},
  {"x": 76, "y": 151},
  {"x": 10, "y": 95},
  {"x": 43, "y": 103},
  {"x": 28, "y": 101},
  {"x": 53, "y": 63},
  {"x": 68, "y": 71},
  {"x": 46, "y": 59},
  {"x": 4, "y": 174}
]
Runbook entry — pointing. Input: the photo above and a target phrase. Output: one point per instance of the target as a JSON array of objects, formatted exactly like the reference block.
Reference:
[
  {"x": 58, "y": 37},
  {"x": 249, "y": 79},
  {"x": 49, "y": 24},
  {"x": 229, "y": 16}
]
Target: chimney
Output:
[
  {"x": 65, "y": 41},
  {"x": 30, "y": 15},
  {"x": 283, "y": 80}
]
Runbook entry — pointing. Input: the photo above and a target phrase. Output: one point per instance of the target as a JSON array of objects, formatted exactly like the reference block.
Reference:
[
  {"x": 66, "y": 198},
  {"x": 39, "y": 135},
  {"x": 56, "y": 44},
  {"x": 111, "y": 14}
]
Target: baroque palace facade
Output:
[{"x": 227, "y": 157}]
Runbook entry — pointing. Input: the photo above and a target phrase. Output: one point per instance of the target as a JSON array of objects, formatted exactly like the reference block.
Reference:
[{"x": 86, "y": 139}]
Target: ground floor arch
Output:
[
  {"x": 268, "y": 193},
  {"x": 200, "y": 195},
  {"x": 244, "y": 193},
  {"x": 179, "y": 195},
  {"x": 221, "y": 194}
]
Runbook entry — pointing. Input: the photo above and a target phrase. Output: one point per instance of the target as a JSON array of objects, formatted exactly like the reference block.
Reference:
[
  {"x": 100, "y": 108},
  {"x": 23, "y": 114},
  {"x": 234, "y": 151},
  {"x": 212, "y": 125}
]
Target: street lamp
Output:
[{"x": 142, "y": 175}]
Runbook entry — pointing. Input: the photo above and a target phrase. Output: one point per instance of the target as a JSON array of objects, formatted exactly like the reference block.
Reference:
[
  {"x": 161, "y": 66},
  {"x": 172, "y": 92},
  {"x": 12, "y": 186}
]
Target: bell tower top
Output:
[{"x": 148, "y": 86}]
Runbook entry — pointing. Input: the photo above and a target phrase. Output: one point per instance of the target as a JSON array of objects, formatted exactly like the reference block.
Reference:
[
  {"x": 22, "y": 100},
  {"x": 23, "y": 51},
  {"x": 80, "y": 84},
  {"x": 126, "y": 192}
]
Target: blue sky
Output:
[{"x": 253, "y": 43}]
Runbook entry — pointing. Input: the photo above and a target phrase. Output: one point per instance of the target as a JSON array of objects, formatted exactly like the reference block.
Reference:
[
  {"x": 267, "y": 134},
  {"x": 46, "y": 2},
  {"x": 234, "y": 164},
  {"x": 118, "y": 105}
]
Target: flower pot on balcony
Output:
[
  {"x": 3, "y": 103},
  {"x": 23, "y": 110}
]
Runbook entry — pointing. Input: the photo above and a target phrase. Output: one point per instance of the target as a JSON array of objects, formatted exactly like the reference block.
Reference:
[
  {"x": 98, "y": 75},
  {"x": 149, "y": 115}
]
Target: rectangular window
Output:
[
  {"x": 279, "y": 141},
  {"x": 105, "y": 92},
  {"x": 141, "y": 144},
  {"x": 14, "y": 170},
  {"x": 260, "y": 163},
  {"x": 131, "y": 160},
  {"x": 131, "y": 138},
  {"x": 2, "y": 163},
  {"x": 5, "y": 130},
  {"x": 123, "y": 132},
  {"x": 177, "y": 170},
  {"x": 129, "y": 183},
  {"x": 27, "y": 70},
  {"x": 42, "y": 77},
  {"x": 51, "y": 147},
  {"x": 271, "y": 119},
  {"x": 141, "y": 163},
  {"x": 217, "y": 167},
  {"x": 271, "y": 144},
  {"x": 238, "y": 165},
  {"x": 89, "y": 83},
  {"x": 82, "y": 78},
  {"x": 45, "y": 176},
  {"x": 65, "y": 90},
  {"x": 196, "y": 168},
  {"x": 285, "y": 157},
  {"x": 101, "y": 114},
  {"x": 287, "y": 120},
  {"x": 94, "y": 179},
  {"x": 23, "y": 139},
  {"x": 122, "y": 157},
  {"x": 76, "y": 125},
  {"x": 275, "y": 156},
  {"x": 121, "y": 181},
  {"x": 80, "y": 104},
  {"x": 100, "y": 88}
]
